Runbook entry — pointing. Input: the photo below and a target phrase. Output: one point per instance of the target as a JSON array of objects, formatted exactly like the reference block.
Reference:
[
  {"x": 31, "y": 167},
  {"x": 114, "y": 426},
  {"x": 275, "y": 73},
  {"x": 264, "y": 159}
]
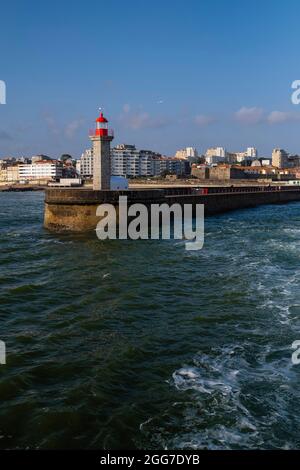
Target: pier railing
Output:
[
  {"x": 227, "y": 190},
  {"x": 248, "y": 189}
]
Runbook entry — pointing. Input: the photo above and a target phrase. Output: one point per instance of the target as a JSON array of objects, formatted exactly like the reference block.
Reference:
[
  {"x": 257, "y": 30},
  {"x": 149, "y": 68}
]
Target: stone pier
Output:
[{"x": 74, "y": 210}]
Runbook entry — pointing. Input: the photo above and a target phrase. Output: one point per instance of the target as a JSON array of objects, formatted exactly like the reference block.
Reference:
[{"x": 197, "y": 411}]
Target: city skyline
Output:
[{"x": 158, "y": 85}]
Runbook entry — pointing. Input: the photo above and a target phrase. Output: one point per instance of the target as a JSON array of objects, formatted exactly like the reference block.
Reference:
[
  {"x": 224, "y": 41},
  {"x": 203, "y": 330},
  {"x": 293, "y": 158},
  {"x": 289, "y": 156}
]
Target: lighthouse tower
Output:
[{"x": 101, "y": 138}]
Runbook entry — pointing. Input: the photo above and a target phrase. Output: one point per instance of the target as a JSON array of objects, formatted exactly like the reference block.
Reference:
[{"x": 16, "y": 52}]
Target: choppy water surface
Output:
[{"x": 144, "y": 344}]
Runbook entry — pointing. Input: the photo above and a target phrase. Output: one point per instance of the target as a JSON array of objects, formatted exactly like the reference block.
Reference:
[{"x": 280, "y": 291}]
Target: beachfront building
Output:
[
  {"x": 280, "y": 158},
  {"x": 41, "y": 170},
  {"x": 9, "y": 173},
  {"x": 215, "y": 155},
  {"x": 84, "y": 166},
  {"x": 251, "y": 153},
  {"x": 128, "y": 161},
  {"x": 188, "y": 153}
]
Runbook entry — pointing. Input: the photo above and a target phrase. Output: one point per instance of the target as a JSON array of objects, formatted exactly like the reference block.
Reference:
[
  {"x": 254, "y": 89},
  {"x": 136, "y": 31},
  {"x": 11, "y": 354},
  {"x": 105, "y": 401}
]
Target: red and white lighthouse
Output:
[
  {"x": 101, "y": 125},
  {"x": 101, "y": 138}
]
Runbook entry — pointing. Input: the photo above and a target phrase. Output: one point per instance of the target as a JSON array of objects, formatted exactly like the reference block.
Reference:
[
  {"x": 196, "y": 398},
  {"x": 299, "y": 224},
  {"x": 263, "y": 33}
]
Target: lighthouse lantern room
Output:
[{"x": 101, "y": 125}]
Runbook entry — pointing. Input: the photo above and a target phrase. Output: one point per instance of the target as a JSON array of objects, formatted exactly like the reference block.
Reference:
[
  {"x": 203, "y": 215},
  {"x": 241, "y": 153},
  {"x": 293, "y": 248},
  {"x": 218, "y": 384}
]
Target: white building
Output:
[
  {"x": 213, "y": 159},
  {"x": 280, "y": 158},
  {"x": 240, "y": 157},
  {"x": 85, "y": 166},
  {"x": 251, "y": 152},
  {"x": 216, "y": 152},
  {"x": 215, "y": 155},
  {"x": 191, "y": 152},
  {"x": 129, "y": 162},
  {"x": 124, "y": 160},
  {"x": 187, "y": 153},
  {"x": 49, "y": 169}
]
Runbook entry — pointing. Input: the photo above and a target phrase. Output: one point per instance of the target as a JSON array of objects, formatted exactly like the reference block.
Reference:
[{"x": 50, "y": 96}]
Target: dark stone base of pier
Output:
[{"x": 74, "y": 210}]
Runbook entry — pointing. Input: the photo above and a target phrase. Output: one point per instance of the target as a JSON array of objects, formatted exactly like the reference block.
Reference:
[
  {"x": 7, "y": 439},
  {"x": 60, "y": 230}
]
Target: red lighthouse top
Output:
[
  {"x": 101, "y": 126},
  {"x": 101, "y": 118}
]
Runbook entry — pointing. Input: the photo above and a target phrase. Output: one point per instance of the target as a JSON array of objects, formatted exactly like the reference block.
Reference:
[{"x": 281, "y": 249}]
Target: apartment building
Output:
[{"x": 43, "y": 170}]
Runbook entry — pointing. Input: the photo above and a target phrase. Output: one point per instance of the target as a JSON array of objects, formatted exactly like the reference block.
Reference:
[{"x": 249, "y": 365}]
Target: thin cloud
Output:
[
  {"x": 51, "y": 124},
  {"x": 278, "y": 117},
  {"x": 203, "y": 120},
  {"x": 256, "y": 115},
  {"x": 143, "y": 120},
  {"x": 249, "y": 115},
  {"x": 73, "y": 127},
  {"x": 62, "y": 130}
]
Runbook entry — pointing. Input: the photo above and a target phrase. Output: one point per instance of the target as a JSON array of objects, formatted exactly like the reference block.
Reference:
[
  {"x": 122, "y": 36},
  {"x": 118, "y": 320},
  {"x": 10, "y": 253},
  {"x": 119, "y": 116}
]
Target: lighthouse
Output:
[{"x": 101, "y": 138}]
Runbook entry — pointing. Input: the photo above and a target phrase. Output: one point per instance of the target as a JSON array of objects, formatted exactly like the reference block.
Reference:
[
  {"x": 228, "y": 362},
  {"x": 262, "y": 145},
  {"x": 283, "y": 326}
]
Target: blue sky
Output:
[{"x": 168, "y": 74}]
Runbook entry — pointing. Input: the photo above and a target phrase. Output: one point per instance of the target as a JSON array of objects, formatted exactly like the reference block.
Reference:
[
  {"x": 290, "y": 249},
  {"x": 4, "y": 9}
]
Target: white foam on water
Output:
[
  {"x": 187, "y": 378},
  {"x": 216, "y": 384},
  {"x": 189, "y": 372}
]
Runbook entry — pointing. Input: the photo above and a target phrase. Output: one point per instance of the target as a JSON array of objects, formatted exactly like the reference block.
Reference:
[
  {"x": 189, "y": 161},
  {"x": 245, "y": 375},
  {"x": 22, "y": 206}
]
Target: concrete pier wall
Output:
[
  {"x": 75, "y": 209},
  {"x": 218, "y": 203}
]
